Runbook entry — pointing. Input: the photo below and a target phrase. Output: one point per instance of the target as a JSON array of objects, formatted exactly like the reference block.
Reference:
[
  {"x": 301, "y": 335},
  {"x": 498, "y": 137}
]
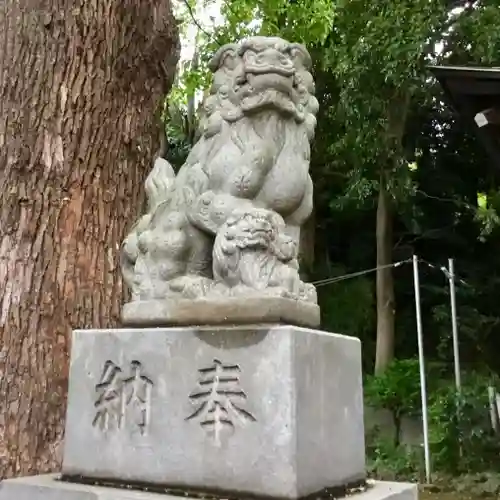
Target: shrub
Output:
[
  {"x": 390, "y": 462},
  {"x": 397, "y": 389},
  {"x": 461, "y": 436}
]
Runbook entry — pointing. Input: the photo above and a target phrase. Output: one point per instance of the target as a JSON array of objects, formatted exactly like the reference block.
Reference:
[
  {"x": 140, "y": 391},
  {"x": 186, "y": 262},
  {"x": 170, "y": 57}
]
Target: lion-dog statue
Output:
[{"x": 228, "y": 224}]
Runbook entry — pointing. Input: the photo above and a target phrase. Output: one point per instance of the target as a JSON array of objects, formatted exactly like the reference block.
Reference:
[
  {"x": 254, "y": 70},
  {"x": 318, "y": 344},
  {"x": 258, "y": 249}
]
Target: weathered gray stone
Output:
[
  {"x": 50, "y": 488},
  {"x": 228, "y": 224},
  {"x": 274, "y": 411},
  {"x": 232, "y": 310}
]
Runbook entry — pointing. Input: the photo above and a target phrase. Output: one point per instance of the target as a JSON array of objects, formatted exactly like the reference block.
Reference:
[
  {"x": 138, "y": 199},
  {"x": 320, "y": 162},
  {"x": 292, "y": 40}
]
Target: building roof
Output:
[{"x": 474, "y": 92}]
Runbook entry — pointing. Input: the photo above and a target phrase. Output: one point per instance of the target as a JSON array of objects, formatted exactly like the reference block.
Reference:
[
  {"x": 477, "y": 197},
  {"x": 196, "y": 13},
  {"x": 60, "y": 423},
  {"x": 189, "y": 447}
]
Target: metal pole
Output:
[
  {"x": 423, "y": 389},
  {"x": 456, "y": 352}
]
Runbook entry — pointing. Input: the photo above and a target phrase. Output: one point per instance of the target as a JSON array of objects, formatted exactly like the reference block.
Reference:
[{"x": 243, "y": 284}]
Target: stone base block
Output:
[
  {"x": 51, "y": 488},
  {"x": 227, "y": 311},
  {"x": 263, "y": 410}
]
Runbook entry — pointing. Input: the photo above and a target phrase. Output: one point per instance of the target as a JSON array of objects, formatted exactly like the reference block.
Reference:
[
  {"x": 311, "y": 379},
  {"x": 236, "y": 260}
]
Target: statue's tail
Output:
[{"x": 159, "y": 186}]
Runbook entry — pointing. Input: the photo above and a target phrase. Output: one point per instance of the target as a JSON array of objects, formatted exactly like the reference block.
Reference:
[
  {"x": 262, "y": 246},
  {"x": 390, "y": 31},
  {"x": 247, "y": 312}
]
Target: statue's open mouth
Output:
[
  {"x": 265, "y": 81},
  {"x": 274, "y": 89}
]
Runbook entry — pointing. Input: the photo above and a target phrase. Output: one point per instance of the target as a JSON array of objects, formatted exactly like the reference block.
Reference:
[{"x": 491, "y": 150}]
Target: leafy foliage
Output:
[
  {"x": 461, "y": 436},
  {"x": 348, "y": 305},
  {"x": 392, "y": 462},
  {"x": 397, "y": 389}
]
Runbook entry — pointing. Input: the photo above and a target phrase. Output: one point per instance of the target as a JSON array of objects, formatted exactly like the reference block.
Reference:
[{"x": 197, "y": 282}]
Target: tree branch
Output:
[{"x": 195, "y": 21}]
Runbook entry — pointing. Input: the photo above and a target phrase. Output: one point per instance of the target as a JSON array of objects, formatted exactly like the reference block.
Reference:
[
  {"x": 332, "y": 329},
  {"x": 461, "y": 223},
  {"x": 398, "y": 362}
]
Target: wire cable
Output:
[
  {"x": 335, "y": 279},
  {"x": 445, "y": 271}
]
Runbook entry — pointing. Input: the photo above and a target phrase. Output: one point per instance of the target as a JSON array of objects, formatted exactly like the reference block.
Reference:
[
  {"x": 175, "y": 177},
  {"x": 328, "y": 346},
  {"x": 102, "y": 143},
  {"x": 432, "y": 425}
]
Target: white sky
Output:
[{"x": 207, "y": 17}]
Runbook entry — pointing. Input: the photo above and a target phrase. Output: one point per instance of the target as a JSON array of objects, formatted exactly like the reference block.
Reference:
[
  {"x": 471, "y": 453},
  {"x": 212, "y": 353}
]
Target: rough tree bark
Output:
[{"x": 80, "y": 83}]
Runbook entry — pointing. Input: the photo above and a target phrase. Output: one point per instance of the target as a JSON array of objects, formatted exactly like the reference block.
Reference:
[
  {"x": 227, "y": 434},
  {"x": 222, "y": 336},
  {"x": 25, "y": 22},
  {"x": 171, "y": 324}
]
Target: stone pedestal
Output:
[
  {"x": 270, "y": 411},
  {"x": 51, "y": 488}
]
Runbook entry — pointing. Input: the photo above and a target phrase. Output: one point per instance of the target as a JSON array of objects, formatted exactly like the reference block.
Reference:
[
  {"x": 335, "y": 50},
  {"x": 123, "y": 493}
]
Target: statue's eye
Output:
[
  {"x": 250, "y": 56},
  {"x": 284, "y": 60},
  {"x": 230, "y": 61}
]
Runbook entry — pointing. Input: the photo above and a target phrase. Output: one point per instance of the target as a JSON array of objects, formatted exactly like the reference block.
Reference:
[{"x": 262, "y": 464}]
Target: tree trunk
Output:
[
  {"x": 397, "y": 113},
  {"x": 80, "y": 82},
  {"x": 385, "y": 282},
  {"x": 397, "y": 420}
]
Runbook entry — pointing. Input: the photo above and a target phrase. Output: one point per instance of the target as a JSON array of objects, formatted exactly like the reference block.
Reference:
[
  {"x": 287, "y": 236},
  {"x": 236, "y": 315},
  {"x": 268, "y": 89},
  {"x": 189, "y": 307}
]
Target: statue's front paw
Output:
[
  {"x": 190, "y": 287},
  {"x": 211, "y": 210},
  {"x": 286, "y": 250}
]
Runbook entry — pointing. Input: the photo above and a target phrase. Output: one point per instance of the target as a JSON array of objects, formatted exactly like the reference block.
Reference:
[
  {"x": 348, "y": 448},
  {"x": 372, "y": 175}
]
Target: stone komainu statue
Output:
[{"x": 227, "y": 226}]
